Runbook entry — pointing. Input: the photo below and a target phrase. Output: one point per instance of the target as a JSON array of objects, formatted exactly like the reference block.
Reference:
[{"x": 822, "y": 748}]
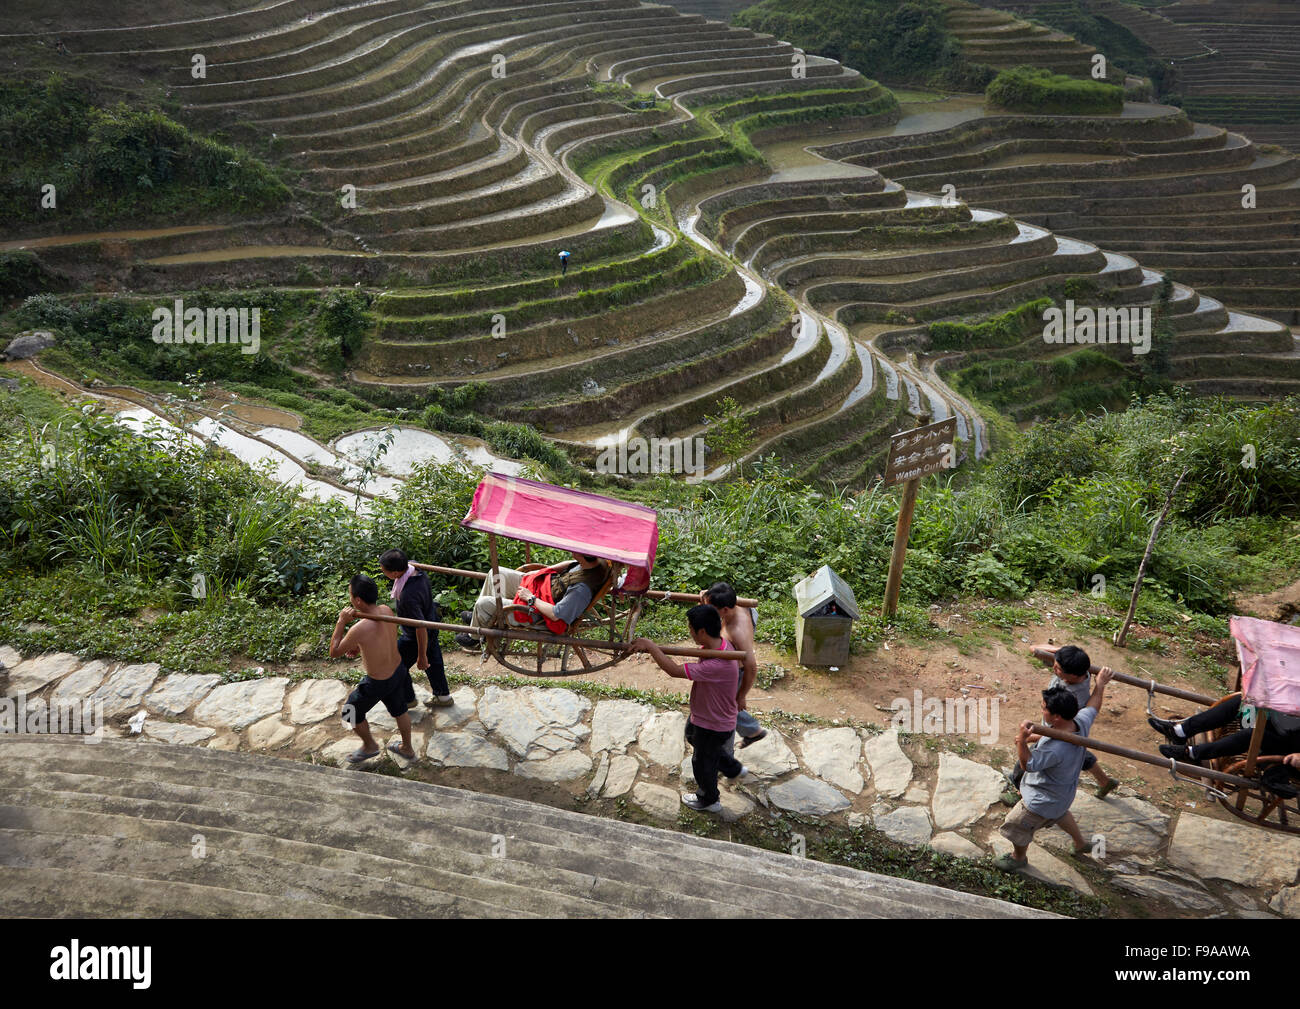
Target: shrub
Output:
[{"x": 1028, "y": 89}]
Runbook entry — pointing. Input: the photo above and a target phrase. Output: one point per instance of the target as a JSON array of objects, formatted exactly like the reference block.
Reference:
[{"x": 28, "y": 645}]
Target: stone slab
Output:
[
  {"x": 622, "y": 775},
  {"x": 34, "y": 674},
  {"x": 1044, "y": 866},
  {"x": 833, "y": 755},
  {"x": 906, "y": 825},
  {"x": 662, "y": 738},
  {"x": 174, "y": 695},
  {"x": 615, "y": 724},
  {"x": 125, "y": 688},
  {"x": 803, "y": 794},
  {"x": 270, "y": 733},
  {"x": 660, "y": 802},
  {"x": 1235, "y": 851},
  {"x": 465, "y": 749},
  {"x": 83, "y": 682},
  {"x": 566, "y": 766},
  {"x": 460, "y": 712},
  {"x": 951, "y": 843},
  {"x": 770, "y": 757},
  {"x": 238, "y": 705},
  {"x": 316, "y": 700},
  {"x": 177, "y": 732},
  {"x": 964, "y": 792},
  {"x": 891, "y": 770}
]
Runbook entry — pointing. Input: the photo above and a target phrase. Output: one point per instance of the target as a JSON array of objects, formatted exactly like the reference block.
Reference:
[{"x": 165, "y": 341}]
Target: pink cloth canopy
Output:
[
  {"x": 570, "y": 520},
  {"x": 1270, "y": 663}
]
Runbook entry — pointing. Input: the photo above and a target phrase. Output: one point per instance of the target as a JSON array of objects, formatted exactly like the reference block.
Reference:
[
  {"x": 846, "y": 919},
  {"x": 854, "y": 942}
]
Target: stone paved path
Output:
[{"x": 629, "y": 750}]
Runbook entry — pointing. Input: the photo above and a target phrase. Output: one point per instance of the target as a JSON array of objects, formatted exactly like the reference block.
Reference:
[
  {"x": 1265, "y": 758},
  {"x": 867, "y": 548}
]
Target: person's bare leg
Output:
[
  {"x": 1018, "y": 851},
  {"x": 1068, "y": 824},
  {"x": 368, "y": 743},
  {"x": 404, "y": 727}
]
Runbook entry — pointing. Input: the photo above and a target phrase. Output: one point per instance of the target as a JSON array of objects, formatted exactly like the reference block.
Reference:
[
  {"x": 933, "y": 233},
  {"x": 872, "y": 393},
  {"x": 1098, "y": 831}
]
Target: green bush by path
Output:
[
  {"x": 112, "y": 165},
  {"x": 1028, "y": 89}
]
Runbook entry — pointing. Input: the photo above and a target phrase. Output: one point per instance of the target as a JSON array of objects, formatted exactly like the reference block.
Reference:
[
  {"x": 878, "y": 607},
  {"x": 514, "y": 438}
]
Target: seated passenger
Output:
[
  {"x": 1281, "y": 734},
  {"x": 556, "y": 596}
]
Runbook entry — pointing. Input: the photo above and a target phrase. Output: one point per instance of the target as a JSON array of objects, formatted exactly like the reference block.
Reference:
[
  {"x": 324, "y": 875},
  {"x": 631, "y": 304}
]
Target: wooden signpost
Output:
[{"x": 913, "y": 455}]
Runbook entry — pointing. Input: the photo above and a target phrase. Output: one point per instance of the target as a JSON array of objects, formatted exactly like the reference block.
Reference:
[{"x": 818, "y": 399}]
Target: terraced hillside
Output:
[
  {"x": 1253, "y": 82},
  {"x": 718, "y": 10},
  {"x": 1000, "y": 40},
  {"x": 1238, "y": 63},
  {"x": 1155, "y": 186},
  {"x": 714, "y": 256}
]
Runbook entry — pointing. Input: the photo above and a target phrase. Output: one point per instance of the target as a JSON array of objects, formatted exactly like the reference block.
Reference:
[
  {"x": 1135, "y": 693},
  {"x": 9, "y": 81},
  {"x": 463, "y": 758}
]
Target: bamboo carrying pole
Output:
[
  {"x": 1048, "y": 658},
  {"x": 731, "y": 654},
  {"x": 676, "y": 597},
  {"x": 1146, "y": 758}
]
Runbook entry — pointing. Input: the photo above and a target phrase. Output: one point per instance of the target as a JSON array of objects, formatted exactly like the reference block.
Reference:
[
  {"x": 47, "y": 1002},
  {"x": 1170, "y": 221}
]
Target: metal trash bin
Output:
[{"x": 824, "y": 625}]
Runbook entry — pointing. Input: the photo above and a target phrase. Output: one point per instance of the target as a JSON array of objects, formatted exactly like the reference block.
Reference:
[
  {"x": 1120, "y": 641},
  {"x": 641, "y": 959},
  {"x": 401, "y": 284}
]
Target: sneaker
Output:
[
  {"x": 467, "y": 640},
  {"x": 1007, "y": 863},
  {"x": 693, "y": 800},
  {"x": 1174, "y": 752},
  {"x": 466, "y": 617},
  {"x": 1166, "y": 728},
  {"x": 748, "y": 740},
  {"x": 440, "y": 701},
  {"x": 742, "y": 776}
]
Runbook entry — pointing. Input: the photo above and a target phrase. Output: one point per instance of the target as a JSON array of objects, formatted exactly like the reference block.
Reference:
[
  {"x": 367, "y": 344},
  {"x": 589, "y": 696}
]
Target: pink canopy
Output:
[
  {"x": 570, "y": 520},
  {"x": 1270, "y": 663}
]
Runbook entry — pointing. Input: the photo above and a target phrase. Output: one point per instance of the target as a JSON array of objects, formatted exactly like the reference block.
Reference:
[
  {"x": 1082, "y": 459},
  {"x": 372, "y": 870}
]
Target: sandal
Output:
[
  {"x": 1106, "y": 789},
  {"x": 358, "y": 756},
  {"x": 1008, "y": 863},
  {"x": 397, "y": 748}
]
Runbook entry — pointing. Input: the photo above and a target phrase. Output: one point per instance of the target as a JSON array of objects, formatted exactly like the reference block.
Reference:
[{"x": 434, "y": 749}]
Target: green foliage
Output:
[
  {"x": 729, "y": 434},
  {"x": 97, "y": 526},
  {"x": 21, "y": 274},
  {"x": 342, "y": 324},
  {"x": 881, "y": 38},
  {"x": 114, "y": 336},
  {"x": 1005, "y": 330},
  {"x": 1029, "y": 89},
  {"x": 117, "y": 163}
]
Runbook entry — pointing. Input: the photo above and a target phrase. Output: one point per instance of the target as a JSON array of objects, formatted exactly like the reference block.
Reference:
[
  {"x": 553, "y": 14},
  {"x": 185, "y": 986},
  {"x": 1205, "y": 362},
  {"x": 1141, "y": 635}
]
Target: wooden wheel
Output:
[{"x": 547, "y": 659}]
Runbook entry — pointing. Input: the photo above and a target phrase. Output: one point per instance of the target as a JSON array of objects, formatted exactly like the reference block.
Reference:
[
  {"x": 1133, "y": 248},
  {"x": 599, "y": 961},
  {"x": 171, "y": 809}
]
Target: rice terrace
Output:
[{"x": 401, "y": 399}]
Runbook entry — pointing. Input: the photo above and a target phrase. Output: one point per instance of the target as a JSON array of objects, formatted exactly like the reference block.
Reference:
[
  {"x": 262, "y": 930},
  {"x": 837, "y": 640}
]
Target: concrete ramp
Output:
[{"x": 132, "y": 829}]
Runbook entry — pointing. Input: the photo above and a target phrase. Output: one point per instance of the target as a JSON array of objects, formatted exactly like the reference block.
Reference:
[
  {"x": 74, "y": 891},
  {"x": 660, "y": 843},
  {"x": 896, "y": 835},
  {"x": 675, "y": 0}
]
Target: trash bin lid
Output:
[{"x": 820, "y": 587}]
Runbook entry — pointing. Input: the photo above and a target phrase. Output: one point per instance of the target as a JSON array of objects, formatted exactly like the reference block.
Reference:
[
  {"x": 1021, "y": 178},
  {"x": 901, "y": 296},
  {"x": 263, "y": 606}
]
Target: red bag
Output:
[{"x": 539, "y": 584}]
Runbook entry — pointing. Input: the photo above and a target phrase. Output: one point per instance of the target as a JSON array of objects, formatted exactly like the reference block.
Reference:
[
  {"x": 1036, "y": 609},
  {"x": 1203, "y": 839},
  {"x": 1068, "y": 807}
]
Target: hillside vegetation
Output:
[
  {"x": 884, "y": 39},
  {"x": 99, "y": 528},
  {"x": 116, "y": 164},
  {"x": 1029, "y": 89}
]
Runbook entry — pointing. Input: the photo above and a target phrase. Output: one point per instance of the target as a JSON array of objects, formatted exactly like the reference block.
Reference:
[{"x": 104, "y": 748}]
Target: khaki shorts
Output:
[{"x": 1021, "y": 824}]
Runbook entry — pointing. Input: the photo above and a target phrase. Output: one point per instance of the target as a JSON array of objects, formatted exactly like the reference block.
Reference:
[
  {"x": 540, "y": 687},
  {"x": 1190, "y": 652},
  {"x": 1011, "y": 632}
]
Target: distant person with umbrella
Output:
[{"x": 564, "y": 262}]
